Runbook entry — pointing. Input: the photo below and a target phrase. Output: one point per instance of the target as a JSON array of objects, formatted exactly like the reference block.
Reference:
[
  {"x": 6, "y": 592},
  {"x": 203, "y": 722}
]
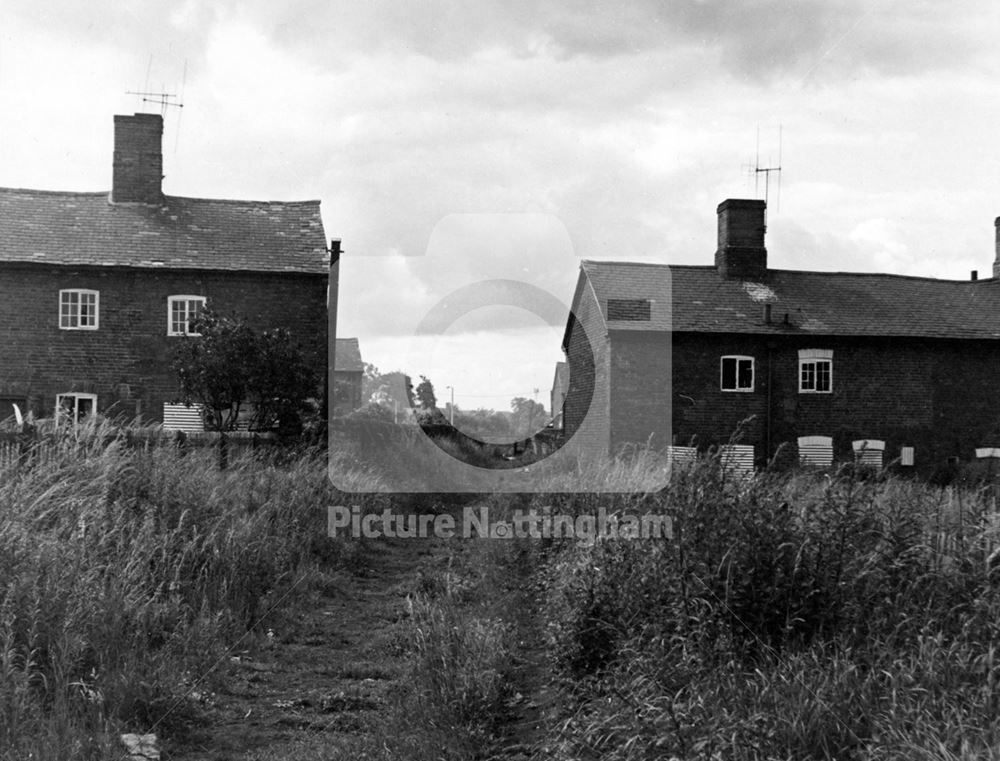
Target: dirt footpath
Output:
[{"x": 318, "y": 688}]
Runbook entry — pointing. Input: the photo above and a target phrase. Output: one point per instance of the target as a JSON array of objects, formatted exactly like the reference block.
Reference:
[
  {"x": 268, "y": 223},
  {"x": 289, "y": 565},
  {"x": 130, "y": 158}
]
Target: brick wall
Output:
[
  {"x": 640, "y": 388},
  {"x": 740, "y": 252},
  {"x": 587, "y": 402},
  {"x": 137, "y": 165},
  {"x": 127, "y": 361},
  {"x": 938, "y": 396}
]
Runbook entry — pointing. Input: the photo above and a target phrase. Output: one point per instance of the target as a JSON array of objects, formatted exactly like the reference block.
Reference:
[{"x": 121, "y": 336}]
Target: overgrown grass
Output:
[
  {"x": 846, "y": 615},
  {"x": 125, "y": 573},
  {"x": 458, "y": 644},
  {"x": 843, "y": 616}
]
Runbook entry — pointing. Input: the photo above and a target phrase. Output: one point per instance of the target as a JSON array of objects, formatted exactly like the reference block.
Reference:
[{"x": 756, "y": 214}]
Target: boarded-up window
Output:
[
  {"x": 634, "y": 310},
  {"x": 180, "y": 417},
  {"x": 737, "y": 458},
  {"x": 816, "y": 451},
  {"x": 906, "y": 456},
  {"x": 869, "y": 452}
]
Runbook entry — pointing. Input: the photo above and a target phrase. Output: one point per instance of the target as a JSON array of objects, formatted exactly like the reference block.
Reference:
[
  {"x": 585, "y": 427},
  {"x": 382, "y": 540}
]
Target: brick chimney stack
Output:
[
  {"x": 741, "y": 253},
  {"x": 996, "y": 261},
  {"x": 138, "y": 159}
]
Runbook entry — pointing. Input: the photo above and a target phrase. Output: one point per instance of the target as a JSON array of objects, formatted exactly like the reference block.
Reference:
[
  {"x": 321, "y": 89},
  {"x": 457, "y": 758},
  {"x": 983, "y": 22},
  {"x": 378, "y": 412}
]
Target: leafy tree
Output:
[
  {"x": 279, "y": 381},
  {"x": 425, "y": 394},
  {"x": 229, "y": 366},
  {"x": 214, "y": 367},
  {"x": 371, "y": 382},
  {"x": 529, "y": 416},
  {"x": 483, "y": 424}
]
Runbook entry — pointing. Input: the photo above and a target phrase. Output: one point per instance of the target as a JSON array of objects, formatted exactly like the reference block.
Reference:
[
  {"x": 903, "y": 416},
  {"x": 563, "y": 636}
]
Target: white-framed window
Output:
[
  {"x": 736, "y": 373},
  {"x": 79, "y": 309},
  {"x": 180, "y": 311},
  {"x": 75, "y": 407},
  {"x": 815, "y": 371}
]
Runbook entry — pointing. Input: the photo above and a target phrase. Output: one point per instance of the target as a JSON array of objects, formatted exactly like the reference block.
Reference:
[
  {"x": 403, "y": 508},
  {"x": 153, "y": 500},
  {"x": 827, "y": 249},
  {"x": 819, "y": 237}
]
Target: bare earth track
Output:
[{"x": 318, "y": 688}]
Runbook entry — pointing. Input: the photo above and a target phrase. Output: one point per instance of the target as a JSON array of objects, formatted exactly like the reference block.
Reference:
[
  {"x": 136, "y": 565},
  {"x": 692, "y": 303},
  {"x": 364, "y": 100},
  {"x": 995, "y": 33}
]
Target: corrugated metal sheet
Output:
[
  {"x": 737, "y": 458},
  {"x": 869, "y": 452},
  {"x": 816, "y": 450},
  {"x": 681, "y": 455},
  {"x": 179, "y": 417},
  {"x": 906, "y": 456}
]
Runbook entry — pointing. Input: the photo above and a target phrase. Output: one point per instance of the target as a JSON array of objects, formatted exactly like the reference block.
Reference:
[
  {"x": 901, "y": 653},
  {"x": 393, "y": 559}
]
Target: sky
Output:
[{"x": 452, "y": 143}]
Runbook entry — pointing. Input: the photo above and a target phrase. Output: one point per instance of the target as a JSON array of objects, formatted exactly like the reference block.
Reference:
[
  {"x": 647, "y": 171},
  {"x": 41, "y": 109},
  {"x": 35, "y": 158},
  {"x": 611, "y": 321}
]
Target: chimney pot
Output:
[
  {"x": 975, "y": 274},
  {"x": 741, "y": 253},
  {"x": 137, "y": 168}
]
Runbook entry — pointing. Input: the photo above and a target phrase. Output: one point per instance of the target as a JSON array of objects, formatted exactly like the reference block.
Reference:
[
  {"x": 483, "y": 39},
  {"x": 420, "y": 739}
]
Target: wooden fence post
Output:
[{"x": 223, "y": 450}]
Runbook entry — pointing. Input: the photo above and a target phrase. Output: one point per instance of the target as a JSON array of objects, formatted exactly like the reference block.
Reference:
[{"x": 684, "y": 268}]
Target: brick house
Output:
[
  {"x": 348, "y": 371},
  {"x": 831, "y": 362},
  {"x": 95, "y": 288}
]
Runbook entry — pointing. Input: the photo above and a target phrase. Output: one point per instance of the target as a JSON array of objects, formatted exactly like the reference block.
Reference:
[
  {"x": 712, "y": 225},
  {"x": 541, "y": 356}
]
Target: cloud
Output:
[{"x": 758, "y": 41}]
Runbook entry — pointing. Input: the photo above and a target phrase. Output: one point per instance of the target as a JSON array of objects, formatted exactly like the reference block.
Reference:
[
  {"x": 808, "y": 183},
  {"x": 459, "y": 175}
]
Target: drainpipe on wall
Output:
[
  {"x": 332, "y": 299},
  {"x": 767, "y": 413}
]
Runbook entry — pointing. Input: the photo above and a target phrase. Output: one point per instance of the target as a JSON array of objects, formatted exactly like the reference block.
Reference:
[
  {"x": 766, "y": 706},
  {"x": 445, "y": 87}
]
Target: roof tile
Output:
[
  {"x": 187, "y": 233},
  {"x": 348, "y": 356},
  {"x": 697, "y": 299}
]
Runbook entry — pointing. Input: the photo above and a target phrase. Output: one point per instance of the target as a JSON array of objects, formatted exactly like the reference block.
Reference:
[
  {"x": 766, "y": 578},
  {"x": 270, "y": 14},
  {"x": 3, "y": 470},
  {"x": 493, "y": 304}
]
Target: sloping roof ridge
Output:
[
  {"x": 244, "y": 200},
  {"x": 107, "y": 193},
  {"x": 840, "y": 273},
  {"x": 603, "y": 262},
  {"x": 89, "y": 193}
]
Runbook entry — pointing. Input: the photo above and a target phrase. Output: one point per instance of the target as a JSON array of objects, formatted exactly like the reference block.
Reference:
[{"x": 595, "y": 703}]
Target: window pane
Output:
[
  {"x": 176, "y": 316},
  {"x": 823, "y": 379},
  {"x": 84, "y": 407},
  {"x": 808, "y": 376},
  {"x": 728, "y": 373},
  {"x": 746, "y": 373}
]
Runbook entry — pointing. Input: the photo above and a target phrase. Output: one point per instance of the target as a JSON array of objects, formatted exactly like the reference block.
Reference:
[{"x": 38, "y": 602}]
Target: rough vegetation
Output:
[
  {"x": 835, "y": 616},
  {"x": 792, "y": 616},
  {"x": 125, "y": 572}
]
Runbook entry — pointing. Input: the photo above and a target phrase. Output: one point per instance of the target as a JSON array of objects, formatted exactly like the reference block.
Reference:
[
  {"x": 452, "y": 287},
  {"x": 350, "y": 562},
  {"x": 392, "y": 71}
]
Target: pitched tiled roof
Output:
[
  {"x": 85, "y": 229},
  {"x": 561, "y": 380},
  {"x": 348, "y": 356},
  {"x": 817, "y": 303}
]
